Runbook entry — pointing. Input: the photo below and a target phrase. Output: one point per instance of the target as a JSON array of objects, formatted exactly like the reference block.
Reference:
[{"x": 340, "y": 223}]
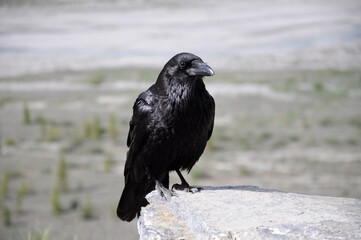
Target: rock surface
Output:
[{"x": 248, "y": 212}]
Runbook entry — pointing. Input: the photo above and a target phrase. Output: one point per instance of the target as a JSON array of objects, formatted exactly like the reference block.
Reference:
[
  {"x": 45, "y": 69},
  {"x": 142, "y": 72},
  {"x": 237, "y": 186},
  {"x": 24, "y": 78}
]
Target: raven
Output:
[{"x": 171, "y": 124}]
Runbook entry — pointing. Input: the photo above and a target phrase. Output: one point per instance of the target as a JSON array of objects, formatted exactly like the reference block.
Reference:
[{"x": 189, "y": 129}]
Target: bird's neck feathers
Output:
[
  {"x": 185, "y": 94},
  {"x": 169, "y": 85}
]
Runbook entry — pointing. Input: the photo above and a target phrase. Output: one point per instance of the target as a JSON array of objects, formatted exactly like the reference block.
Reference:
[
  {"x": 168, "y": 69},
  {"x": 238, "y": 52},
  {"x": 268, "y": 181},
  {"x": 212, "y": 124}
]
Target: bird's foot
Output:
[
  {"x": 186, "y": 188},
  {"x": 164, "y": 192}
]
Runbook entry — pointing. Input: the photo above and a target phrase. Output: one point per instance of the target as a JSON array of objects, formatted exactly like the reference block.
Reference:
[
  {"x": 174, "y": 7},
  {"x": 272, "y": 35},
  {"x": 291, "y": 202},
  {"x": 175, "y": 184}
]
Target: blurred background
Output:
[{"x": 287, "y": 90}]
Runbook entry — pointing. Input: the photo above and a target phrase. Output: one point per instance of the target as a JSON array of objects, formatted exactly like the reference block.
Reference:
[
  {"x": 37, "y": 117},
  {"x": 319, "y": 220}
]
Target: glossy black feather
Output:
[{"x": 171, "y": 124}]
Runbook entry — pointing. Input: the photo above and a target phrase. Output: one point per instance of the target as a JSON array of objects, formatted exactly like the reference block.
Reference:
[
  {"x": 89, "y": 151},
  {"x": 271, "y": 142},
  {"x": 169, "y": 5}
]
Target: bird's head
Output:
[{"x": 187, "y": 65}]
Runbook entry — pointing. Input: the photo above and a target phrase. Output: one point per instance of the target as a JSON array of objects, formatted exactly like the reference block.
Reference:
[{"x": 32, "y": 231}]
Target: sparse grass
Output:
[
  {"x": 52, "y": 133},
  {"x": 74, "y": 165},
  {"x": 245, "y": 142},
  {"x": 10, "y": 142},
  {"x": 26, "y": 114},
  {"x": 14, "y": 174},
  {"x": 55, "y": 201},
  {"x": 264, "y": 136},
  {"x": 108, "y": 162},
  {"x": 279, "y": 143},
  {"x": 112, "y": 126},
  {"x": 21, "y": 192},
  {"x": 199, "y": 173},
  {"x": 352, "y": 142},
  {"x": 97, "y": 78},
  {"x": 113, "y": 212},
  {"x": 345, "y": 193},
  {"x": 326, "y": 122},
  {"x": 72, "y": 145},
  {"x": 62, "y": 174},
  {"x": 42, "y": 123},
  {"x": 4, "y": 190},
  {"x": 95, "y": 149},
  {"x": 2, "y": 102},
  {"x": 74, "y": 204},
  {"x": 305, "y": 122},
  {"x": 333, "y": 141},
  {"x": 19, "y": 201},
  {"x": 318, "y": 87},
  {"x": 87, "y": 209},
  {"x": 355, "y": 122},
  {"x": 24, "y": 189},
  {"x": 38, "y": 235},
  {"x": 293, "y": 138},
  {"x": 258, "y": 124},
  {"x": 243, "y": 171},
  {"x": 6, "y": 214},
  {"x": 210, "y": 145},
  {"x": 87, "y": 129},
  {"x": 46, "y": 170},
  {"x": 96, "y": 128}
]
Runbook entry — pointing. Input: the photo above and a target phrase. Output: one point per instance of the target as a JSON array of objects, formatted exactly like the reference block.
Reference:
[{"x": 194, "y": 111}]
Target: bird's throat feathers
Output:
[
  {"x": 180, "y": 92},
  {"x": 184, "y": 91}
]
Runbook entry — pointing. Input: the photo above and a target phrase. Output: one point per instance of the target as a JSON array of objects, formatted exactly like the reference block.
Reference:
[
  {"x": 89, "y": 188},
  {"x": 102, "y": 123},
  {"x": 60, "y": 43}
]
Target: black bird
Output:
[{"x": 171, "y": 124}]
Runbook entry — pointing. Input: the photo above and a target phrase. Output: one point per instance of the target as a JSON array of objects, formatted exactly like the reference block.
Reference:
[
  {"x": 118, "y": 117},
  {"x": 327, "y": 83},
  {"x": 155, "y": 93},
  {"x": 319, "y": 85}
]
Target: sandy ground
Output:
[
  {"x": 291, "y": 131},
  {"x": 287, "y": 89}
]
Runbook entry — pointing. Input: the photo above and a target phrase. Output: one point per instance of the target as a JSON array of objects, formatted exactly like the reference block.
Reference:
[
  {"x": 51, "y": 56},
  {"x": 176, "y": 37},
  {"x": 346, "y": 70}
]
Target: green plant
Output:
[
  {"x": 26, "y": 114},
  {"x": 52, "y": 134},
  {"x": 38, "y": 235},
  {"x": 95, "y": 149},
  {"x": 62, "y": 175},
  {"x": 4, "y": 190},
  {"x": 113, "y": 212},
  {"x": 326, "y": 122},
  {"x": 14, "y": 174},
  {"x": 42, "y": 123},
  {"x": 55, "y": 202},
  {"x": 355, "y": 122},
  {"x": 112, "y": 127},
  {"x": 108, "y": 162},
  {"x": 199, "y": 173},
  {"x": 210, "y": 145},
  {"x": 6, "y": 215},
  {"x": 19, "y": 201},
  {"x": 96, "y": 129},
  {"x": 22, "y": 191},
  {"x": 87, "y": 209},
  {"x": 279, "y": 143},
  {"x": 87, "y": 129},
  {"x": 318, "y": 86},
  {"x": 264, "y": 136},
  {"x": 97, "y": 78},
  {"x": 352, "y": 141},
  {"x": 243, "y": 171},
  {"x": 10, "y": 142},
  {"x": 293, "y": 138}
]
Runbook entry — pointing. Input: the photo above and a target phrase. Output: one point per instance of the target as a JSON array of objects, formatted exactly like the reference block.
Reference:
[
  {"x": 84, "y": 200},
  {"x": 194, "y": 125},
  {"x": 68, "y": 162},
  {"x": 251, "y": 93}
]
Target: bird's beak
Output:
[{"x": 199, "y": 68}]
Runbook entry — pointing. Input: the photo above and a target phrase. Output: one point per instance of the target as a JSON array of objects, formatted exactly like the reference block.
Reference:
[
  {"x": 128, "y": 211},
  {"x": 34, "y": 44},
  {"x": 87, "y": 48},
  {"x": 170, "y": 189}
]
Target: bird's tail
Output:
[{"x": 133, "y": 198}]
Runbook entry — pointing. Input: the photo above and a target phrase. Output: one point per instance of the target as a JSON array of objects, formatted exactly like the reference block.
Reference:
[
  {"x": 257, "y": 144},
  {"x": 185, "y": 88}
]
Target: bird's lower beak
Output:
[{"x": 200, "y": 68}]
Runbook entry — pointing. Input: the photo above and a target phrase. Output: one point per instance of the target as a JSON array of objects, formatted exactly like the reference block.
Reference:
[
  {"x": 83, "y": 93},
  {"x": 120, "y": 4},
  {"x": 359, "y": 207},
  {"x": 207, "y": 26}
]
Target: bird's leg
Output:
[
  {"x": 164, "y": 192},
  {"x": 184, "y": 186}
]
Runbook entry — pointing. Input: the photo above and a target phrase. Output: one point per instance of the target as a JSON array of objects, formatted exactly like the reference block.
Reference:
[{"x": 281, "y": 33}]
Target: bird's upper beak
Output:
[{"x": 200, "y": 68}]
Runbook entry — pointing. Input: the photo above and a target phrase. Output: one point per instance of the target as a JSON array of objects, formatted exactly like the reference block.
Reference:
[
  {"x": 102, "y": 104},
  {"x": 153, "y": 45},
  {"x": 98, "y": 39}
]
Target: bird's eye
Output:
[{"x": 182, "y": 64}]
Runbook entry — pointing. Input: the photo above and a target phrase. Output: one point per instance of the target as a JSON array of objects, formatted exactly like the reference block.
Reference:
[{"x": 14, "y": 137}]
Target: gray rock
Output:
[{"x": 248, "y": 212}]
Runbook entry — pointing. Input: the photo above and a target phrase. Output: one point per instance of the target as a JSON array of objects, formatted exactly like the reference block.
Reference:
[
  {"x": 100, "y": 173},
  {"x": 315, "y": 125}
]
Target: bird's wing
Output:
[
  {"x": 138, "y": 134},
  {"x": 210, "y": 129}
]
